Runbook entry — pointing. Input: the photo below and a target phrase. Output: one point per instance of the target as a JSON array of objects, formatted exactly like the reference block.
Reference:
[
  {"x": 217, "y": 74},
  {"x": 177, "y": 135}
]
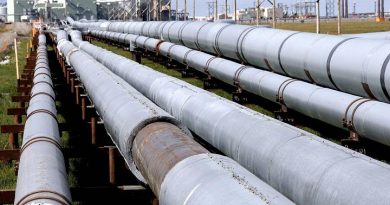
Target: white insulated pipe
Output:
[
  {"x": 349, "y": 64},
  {"x": 304, "y": 167},
  {"x": 42, "y": 177},
  {"x": 368, "y": 118},
  {"x": 126, "y": 113}
]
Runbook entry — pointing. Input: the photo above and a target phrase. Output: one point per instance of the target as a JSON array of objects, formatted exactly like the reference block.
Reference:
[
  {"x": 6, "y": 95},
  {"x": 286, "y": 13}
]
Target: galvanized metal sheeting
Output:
[
  {"x": 350, "y": 64},
  {"x": 302, "y": 166},
  {"x": 133, "y": 124},
  {"x": 42, "y": 176}
]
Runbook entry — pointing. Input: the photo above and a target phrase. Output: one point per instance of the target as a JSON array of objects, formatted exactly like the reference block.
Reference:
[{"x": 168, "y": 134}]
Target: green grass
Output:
[
  {"x": 7, "y": 89},
  {"x": 330, "y": 27},
  {"x": 3, "y": 29}
]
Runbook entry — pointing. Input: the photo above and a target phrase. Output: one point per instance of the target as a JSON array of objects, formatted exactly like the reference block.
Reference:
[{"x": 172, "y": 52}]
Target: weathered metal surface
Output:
[
  {"x": 130, "y": 113},
  {"x": 273, "y": 151},
  {"x": 16, "y": 111},
  {"x": 160, "y": 146},
  {"x": 9, "y": 154}
]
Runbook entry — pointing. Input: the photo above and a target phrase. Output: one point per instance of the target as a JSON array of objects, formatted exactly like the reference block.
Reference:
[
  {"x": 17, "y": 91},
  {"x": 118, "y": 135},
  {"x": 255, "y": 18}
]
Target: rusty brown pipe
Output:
[{"x": 160, "y": 146}]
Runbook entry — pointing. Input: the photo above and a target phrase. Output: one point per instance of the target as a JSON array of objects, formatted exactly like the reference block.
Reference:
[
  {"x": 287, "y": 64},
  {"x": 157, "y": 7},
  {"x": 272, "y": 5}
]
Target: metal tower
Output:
[{"x": 330, "y": 8}]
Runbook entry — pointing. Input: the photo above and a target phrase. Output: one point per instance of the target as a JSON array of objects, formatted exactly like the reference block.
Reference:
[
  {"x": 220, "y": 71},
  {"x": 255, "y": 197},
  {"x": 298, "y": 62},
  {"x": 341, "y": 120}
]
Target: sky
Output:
[{"x": 201, "y": 5}]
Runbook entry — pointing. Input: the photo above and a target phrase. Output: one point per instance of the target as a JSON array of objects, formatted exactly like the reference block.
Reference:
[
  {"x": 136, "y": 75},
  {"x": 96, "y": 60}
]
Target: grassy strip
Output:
[
  {"x": 330, "y": 27},
  {"x": 7, "y": 89}
]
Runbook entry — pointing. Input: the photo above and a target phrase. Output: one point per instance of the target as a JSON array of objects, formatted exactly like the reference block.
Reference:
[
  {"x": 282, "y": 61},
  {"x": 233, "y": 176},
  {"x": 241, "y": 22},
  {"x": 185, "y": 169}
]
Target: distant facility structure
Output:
[
  {"x": 164, "y": 10},
  {"x": 25, "y": 10},
  {"x": 3, "y": 12}
]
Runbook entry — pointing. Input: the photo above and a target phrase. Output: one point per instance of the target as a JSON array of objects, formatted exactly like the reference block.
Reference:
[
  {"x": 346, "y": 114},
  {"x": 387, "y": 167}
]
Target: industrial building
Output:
[
  {"x": 25, "y": 10},
  {"x": 250, "y": 14}
]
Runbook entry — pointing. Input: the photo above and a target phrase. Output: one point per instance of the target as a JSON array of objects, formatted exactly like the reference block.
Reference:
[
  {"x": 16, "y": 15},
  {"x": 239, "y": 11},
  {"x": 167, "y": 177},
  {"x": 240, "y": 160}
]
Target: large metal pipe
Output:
[
  {"x": 158, "y": 149},
  {"x": 374, "y": 35},
  {"x": 368, "y": 118},
  {"x": 353, "y": 65},
  {"x": 42, "y": 177},
  {"x": 302, "y": 166}
]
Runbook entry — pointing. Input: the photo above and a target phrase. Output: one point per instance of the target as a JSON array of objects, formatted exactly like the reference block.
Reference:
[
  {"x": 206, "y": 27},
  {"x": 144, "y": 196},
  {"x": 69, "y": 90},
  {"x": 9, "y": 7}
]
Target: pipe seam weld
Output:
[
  {"x": 197, "y": 37},
  {"x": 282, "y": 88},
  {"x": 349, "y": 123},
  {"x": 382, "y": 77},
  {"x": 216, "y": 47},
  {"x": 169, "y": 51},
  {"x": 42, "y": 74},
  {"x": 206, "y": 69},
  {"x": 70, "y": 53},
  {"x": 280, "y": 51},
  {"x": 42, "y": 93},
  {"x": 39, "y": 139},
  {"x": 61, "y": 198},
  {"x": 186, "y": 56},
  {"x": 330, "y": 59},
  {"x": 240, "y": 42},
  {"x": 237, "y": 73},
  {"x": 42, "y": 111}
]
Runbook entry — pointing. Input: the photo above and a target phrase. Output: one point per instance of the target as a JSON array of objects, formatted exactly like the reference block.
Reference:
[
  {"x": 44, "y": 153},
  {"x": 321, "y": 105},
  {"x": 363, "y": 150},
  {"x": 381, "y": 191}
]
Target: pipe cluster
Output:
[
  {"x": 346, "y": 63},
  {"x": 159, "y": 149},
  {"x": 42, "y": 177},
  {"x": 305, "y": 168},
  {"x": 367, "y": 118}
]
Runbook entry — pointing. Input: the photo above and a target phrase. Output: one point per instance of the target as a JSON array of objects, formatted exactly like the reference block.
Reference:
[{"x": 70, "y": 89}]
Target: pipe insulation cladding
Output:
[
  {"x": 367, "y": 118},
  {"x": 42, "y": 177},
  {"x": 159, "y": 149},
  {"x": 350, "y": 64},
  {"x": 304, "y": 167},
  {"x": 375, "y": 35}
]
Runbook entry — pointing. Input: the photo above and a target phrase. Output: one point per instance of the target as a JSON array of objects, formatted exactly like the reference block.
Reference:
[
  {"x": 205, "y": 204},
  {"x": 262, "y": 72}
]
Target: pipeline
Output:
[
  {"x": 304, "y": 167},
  {"x": 374, "y": 35},
  {"x": 158, "y": 149},
  {"x": 337, "y": 62},
  {"x": 368, "y": 118},
  {"x": 42, "y": 177}
]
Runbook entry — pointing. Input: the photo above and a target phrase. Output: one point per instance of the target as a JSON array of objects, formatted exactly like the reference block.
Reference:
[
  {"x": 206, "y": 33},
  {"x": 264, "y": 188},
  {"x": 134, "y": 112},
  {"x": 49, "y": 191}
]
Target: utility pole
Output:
[
  {"x": 170, "y": 10},
  {"x": 177, "y": 8},
  {"x": 378, "y": 18},
  {"x": 193, "y": 9},
  {"x": 185, "y": 10},
  {"x": 383, "y": 9},
  {"x": 216, "y": 9},
  {"x": 339, "y": 17},
  {"x": 273, "y": 14},
  {"x": 342, "y": 9},
  {"x": 318, "y": 15},
  {"x": 159, "y": 10},
  {"x": 258, "y": 12},
  {"x": 226, "y": 9},
  {"x": 346, "y": 9},
  {"x": 16, "y": 59},
  {"x": 235, "y": 10}
]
